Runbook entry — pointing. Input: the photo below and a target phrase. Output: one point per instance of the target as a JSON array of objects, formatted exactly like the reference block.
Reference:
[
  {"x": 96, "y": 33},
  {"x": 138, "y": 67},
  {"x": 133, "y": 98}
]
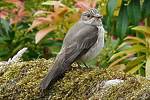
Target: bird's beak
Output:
[{"x": 99, "y": 16}]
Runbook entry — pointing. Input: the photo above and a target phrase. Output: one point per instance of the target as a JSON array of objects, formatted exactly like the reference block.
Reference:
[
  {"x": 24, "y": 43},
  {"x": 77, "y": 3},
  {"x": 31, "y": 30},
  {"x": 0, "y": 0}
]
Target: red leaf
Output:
[
  {"x": 53, "y": 39},
  {"x": 79, "y": 4},
  {"x": 44, "y": 32},
  {"x": 45, "y": 20},
  {"x": 94, "y": 4},
  {"x": 84, "y": 4},
  {"x": 38, "y": 22},
  {"x": 41, "y": 12},
  {"x": 49, "y": 39},
  {"x": 57, "y": 6},
  {"x": 3, "y": 14},
  {"x": 21, "y": 13},
  {"x": 73, "y": 18}
]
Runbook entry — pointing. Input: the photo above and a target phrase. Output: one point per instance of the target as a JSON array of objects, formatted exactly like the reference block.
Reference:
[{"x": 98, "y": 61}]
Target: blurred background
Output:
[{"x": 41, "y": 26}]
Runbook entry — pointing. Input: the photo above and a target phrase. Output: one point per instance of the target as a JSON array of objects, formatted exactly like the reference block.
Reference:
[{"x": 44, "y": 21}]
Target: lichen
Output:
[{"x": 20, "y": 81}]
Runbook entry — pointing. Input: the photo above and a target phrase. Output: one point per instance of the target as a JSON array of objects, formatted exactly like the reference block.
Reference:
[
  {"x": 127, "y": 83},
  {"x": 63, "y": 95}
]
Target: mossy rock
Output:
[{"x": 20, "y": 81}]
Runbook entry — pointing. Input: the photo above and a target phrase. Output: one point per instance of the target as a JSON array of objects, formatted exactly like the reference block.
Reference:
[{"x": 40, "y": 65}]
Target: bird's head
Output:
[{"x": 91, "y": 16}]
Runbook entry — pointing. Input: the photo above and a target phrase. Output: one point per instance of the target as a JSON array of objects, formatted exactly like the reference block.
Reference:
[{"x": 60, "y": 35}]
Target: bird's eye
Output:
[{"x": 88, "y": 15}]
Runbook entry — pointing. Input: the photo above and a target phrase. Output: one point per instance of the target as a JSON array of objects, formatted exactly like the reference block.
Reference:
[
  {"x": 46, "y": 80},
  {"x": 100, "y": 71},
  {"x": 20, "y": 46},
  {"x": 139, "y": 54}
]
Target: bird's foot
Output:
[
  {"x": 78, "y": 65},
  {"x": 85, "y": 64}
]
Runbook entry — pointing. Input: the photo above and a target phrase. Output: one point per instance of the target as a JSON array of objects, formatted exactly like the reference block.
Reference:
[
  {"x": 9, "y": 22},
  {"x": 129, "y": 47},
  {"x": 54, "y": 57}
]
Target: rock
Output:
[{"x": 20, "y": 81}]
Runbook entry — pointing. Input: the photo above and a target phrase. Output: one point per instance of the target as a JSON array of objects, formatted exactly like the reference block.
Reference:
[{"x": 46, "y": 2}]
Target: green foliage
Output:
[
  {"x": 145, "y": 7},
  {"x": 4, "y": 4},
  {"x": 53, "y": 25},
  {"x": 139, "y": 45},
  {"x": 111, "y": 7},
  {"x": 107, "y": 52},
  {"x": 53, "y": 19},
  {"x": 124, "y": 14},
  {"x": 134, "y": 11},
  {"x": 122, "y": 22},
  {"x": 14, "y": 23}
]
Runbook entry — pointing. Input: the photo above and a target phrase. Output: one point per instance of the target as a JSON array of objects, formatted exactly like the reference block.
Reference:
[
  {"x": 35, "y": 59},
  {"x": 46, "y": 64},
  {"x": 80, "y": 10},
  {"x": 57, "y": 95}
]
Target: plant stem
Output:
[
  {"x": 147, "y": 69},
  {"x": 138, "y": 55},
  {"x": 0, "y": 25}
]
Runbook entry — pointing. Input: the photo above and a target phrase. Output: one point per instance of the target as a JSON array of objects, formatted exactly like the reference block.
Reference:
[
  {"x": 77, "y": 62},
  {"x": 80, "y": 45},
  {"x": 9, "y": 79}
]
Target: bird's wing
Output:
[
  {"x": 77, "y": 46},
  {"x": 83, "y": 40}
]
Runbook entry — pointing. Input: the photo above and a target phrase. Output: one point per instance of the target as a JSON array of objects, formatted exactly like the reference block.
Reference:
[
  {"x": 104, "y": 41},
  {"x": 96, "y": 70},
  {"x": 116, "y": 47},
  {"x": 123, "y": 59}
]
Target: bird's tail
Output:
[{"x": 58, "y": 68}]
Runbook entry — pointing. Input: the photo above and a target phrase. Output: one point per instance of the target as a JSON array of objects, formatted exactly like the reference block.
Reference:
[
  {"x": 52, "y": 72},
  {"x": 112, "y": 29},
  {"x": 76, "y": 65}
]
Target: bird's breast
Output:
[{"x": 96, "y": 48}]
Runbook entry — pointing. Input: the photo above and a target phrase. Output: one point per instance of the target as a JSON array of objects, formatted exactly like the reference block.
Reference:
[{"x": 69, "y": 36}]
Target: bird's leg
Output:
[
  {"x": 78, "y": 64},
  {"x": 85, "y": 64}
]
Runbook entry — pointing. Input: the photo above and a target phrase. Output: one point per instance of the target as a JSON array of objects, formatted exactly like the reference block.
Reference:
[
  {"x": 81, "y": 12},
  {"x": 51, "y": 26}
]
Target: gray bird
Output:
[{"x": 83, "y": 42}]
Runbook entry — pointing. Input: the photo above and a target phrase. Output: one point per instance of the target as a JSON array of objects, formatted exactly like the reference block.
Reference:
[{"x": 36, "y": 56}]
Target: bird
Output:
[{"x": 82, "y": 43}]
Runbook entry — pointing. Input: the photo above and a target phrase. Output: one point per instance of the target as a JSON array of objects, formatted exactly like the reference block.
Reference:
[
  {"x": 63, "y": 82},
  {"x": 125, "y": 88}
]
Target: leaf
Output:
[
  {"x": 117, "y": 9},
  {"x": 94, "y": 3},
  {"x": 145, "y": 9},
  {"x": 57, "y": 5},
  {"x": 72, "y": 20},
  {"x": 36, "y": 23},
  {"x": 59, "y": 15},
  {"x": 83, "y": 4},
  {"x": 111, "y": 7},
  {"x": 52, "y": 3},
  {"x": 127, "y": 43},
  {"x": 41, "y": 12},
  {"x": 3, "y": 14},
  {"x": 4, "y": 52},
  {"x": 44, "y": 32},
  {"x": 136, "y": 39},
  {"x": 116, "y": 13},
  {"x": 135, "y": 61},
  {"x": 134, "y": 11},
  {"x": 4, "y": 4},
  {"x": 1, "y": 39},
  {"x": 21, "y": 12},
  {"x": 147, "y": 36},
  {"x": 120, "y": 59},
  {"x": 147, "y": 67},
  {"x": 132, "y": 41},
  {"x": 44, "y": 20},
  {"x": 103, "y": 9},
  {"x": 119, "y": 67},
  {"x": 143, "y": 29},
  {"x": 119, "y": 4},
  {"x": 122, "y": 22},
  {"x": 135, "y": 48},
  {"x": 59, "y": 10},
  {"x": 62, "y": 11},
  {"x": 6, "y": 25},
  {"x": 134, "y": 69}
]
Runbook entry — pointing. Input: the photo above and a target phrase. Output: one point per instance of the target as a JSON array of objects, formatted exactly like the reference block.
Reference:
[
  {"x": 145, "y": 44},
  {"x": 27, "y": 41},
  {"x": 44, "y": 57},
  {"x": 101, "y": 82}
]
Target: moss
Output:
[{"x": 20, "y": 81}]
